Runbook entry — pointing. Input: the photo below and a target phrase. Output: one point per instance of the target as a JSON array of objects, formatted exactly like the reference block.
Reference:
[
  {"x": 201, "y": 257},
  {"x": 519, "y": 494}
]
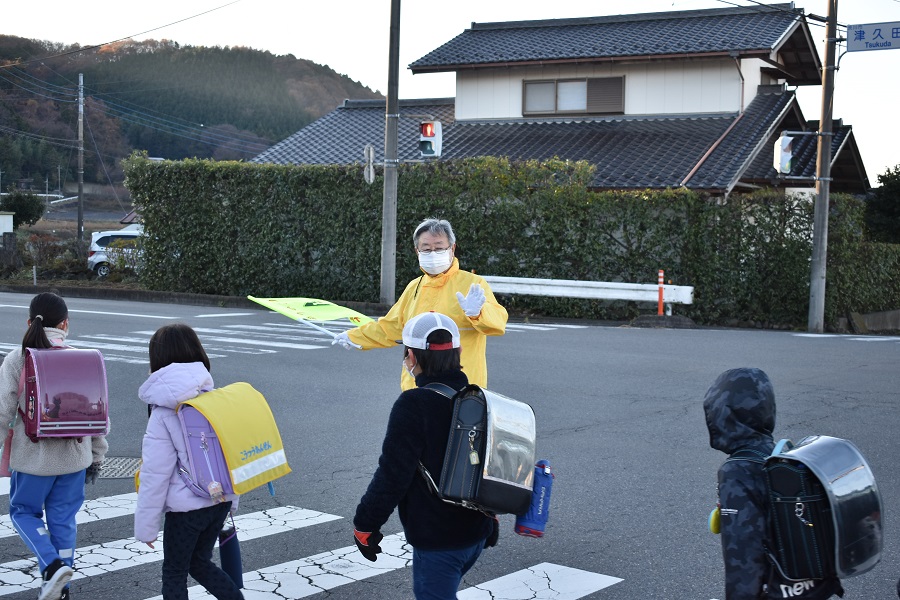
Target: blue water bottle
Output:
[
  {"x": 230, "y": 554},
  {"x": 533, "y": 522}
]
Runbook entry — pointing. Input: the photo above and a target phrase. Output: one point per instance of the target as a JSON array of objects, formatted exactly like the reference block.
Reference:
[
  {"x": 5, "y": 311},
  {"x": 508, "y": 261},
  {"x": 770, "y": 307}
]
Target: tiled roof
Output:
[
  {"x": 749, "y": 137},
  {"x": 752, "y": 29},
  {"x": 847, "y": 170},
  {"x": 628, "y": 152},
  {"x": 340, "y": 136}
]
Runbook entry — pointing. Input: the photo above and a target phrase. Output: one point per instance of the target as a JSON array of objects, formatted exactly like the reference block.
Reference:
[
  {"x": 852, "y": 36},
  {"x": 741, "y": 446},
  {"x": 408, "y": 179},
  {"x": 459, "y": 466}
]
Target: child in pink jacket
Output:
[{"x": 179, "y": 371}]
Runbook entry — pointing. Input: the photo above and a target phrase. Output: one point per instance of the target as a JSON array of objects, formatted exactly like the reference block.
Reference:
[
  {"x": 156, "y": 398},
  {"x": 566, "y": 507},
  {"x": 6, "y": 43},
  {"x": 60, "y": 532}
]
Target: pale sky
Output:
[{"x": 351, "y": 37}]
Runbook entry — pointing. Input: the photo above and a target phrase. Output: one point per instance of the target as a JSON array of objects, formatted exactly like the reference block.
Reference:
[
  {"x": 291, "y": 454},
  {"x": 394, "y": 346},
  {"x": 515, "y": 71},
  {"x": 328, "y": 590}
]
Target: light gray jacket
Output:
[{"x": 48, "y": 456}]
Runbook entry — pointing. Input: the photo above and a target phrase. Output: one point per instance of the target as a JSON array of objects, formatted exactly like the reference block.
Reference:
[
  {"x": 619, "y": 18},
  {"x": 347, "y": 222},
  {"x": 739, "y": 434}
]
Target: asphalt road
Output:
[{"x": 619, "y": 416}]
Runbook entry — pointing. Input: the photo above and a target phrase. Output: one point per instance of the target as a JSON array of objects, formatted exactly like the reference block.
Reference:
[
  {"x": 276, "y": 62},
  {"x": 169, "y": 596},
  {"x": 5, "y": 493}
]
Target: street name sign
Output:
[{"x": 873, "y": 36}]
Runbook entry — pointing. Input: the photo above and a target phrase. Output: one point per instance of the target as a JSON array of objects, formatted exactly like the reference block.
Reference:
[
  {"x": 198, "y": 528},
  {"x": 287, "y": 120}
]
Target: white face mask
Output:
[{"x": 435, "y": 262}]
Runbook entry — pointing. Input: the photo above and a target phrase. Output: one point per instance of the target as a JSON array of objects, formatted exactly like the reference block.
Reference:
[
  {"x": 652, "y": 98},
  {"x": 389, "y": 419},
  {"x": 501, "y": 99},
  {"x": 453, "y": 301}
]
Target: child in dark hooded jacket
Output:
[{"x": 740, "y": 416}]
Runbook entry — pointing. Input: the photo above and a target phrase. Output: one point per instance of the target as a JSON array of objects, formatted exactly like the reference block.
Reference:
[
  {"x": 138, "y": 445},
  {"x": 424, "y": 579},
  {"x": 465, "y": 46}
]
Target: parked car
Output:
[{"x": 98, "y": 261}]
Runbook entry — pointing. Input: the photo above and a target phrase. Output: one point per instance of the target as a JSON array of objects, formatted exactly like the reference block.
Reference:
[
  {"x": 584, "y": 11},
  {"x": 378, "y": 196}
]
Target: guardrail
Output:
[{"x": 599, "y": 290}]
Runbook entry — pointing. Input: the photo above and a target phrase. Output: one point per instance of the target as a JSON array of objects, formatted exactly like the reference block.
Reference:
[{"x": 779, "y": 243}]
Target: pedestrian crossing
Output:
[
  {"x": 305, "y": 577},
  {"x": 239, "y": 339}
]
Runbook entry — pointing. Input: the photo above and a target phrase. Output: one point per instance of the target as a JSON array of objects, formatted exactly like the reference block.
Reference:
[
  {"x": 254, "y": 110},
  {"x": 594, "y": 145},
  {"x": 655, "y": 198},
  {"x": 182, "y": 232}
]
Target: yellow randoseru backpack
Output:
[{"x": 232, "y": 441}]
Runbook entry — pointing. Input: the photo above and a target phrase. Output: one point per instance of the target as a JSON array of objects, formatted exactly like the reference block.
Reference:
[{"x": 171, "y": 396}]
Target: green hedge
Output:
[{"x": 272, "y": 230}]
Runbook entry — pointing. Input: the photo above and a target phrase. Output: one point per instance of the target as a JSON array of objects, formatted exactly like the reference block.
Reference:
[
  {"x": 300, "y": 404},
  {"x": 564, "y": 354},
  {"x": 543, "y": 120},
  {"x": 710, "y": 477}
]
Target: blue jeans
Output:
[
  {"x": 59, "y": 498},
  {"x": 437, "y": 573}
]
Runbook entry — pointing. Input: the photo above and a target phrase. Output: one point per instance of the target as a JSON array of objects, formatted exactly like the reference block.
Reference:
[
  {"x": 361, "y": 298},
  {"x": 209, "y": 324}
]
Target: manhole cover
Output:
[{"x": 116, "y": 467}]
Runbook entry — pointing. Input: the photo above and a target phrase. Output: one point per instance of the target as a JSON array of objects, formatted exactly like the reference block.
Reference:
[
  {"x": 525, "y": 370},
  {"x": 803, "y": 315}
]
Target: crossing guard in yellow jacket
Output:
[{"x": 463, "y": 296}]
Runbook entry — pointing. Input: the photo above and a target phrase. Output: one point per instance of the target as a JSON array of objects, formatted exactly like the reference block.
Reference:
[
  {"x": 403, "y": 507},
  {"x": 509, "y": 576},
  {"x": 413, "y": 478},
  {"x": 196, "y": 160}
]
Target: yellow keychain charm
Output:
[{"x": 715, "y": 525}]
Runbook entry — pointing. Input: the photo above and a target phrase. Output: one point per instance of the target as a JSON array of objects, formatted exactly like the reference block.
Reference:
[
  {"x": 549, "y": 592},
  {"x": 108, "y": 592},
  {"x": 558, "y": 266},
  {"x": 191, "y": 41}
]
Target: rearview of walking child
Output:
[
  {"x": 740, "y": 416},
  {"x": 179, "y": 371},
  {"x": 49, "y": 474}
]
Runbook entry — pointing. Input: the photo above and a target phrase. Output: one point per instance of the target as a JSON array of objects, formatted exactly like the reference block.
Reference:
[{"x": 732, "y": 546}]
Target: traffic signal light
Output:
[
  {"x": 784, "y": 154},
  {"x": 430, "y": 139}
]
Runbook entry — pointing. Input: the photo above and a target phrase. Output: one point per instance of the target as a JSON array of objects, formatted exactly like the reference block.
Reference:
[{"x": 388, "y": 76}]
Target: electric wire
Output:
[
  {"x": 31, "y": 91},
  {"x": 197, "y": 138},
  {"x": 40, "y": 138},
  {"x": 76, "y": 51},
  {"x": 102, "y": 164},
  {"x": 121, "y": 108},
  {"x": 25, "y": 76},
  {"x": 779, "y": 9},
  {"x": 248, "y": 140}
]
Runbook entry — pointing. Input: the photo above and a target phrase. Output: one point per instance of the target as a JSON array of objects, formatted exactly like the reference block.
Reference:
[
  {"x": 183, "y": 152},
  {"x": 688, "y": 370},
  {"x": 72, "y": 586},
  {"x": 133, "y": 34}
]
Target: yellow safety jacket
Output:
[{"x": 438, "y": 294}]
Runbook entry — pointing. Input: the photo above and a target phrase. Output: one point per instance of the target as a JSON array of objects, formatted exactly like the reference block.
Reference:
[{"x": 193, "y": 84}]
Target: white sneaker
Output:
[{"x": 56, "y": 576}]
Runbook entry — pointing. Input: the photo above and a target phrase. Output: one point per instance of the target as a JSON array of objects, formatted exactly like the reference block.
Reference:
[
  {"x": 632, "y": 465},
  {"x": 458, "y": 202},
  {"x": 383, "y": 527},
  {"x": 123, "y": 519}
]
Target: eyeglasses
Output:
[{"x": 430, "y": 250}]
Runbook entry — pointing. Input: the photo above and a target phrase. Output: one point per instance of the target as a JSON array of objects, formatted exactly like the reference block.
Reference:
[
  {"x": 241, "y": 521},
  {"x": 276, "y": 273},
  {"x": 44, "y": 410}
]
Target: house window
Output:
[{"x": 595, "y": 96}]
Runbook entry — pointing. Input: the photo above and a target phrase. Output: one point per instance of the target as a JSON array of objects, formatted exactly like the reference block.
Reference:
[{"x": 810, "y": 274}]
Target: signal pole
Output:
[{"x": 816, "y": 320}]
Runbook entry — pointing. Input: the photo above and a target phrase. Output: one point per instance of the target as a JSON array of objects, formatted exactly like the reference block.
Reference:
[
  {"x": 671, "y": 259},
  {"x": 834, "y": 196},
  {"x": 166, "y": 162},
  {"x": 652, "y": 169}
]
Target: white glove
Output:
[
  {"x": 344, "y": 340},
  {"x": 472, "y": 303}
]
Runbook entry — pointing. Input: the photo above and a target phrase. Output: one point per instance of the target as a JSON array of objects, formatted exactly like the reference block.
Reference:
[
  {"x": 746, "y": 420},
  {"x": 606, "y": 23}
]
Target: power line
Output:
[
  {"x": 25, "y": 76},
  {"x": 236, "y": 145},
  {"x": 779, "y": 9},
  {"x": 76, "y": 51},
  {"x": 248, "y": 144},
  {"x": 176, "y": 121},
  {"x": 36, "y": 93},
  {"x": 102, "y": 164},
  {"x": 65, "y": 143}
]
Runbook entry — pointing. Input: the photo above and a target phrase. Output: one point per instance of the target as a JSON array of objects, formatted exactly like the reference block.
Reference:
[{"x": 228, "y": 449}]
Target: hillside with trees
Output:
[{"x": 169, "y": 100}]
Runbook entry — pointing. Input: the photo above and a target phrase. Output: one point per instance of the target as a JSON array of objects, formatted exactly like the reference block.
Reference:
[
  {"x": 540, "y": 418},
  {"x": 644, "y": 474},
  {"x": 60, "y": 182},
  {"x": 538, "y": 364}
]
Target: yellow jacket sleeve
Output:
[{"x": 438, "y": 293}]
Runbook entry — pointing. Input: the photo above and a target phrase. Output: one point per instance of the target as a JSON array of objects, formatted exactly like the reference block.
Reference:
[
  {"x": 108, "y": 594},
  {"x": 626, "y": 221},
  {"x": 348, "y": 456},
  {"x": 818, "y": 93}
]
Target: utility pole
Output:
[
  {"x": 816, "y": 322},
  {"x": 80, "y": 231},
  {"x": 391, "y": 163}
]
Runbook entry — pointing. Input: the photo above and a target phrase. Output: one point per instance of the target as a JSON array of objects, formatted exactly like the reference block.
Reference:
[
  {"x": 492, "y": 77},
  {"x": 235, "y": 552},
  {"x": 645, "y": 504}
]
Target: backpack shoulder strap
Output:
[
  {"x": 441, "y": 388},
  {"x": 748, "y": 454}
]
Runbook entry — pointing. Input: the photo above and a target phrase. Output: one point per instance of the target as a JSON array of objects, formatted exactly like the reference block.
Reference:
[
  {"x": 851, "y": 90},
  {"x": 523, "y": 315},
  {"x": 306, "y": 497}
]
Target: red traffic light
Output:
[{"x": 427, "y": 129}]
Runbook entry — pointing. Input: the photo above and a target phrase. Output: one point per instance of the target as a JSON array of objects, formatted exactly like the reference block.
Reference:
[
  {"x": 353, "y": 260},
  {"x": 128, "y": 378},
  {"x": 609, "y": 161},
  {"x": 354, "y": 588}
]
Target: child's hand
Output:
[{"x": 150, "y": 544}]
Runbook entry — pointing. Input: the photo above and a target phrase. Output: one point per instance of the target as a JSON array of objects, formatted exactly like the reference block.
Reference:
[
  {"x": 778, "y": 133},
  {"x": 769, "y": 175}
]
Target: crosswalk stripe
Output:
[
  {"x": 230, "y": 330},
  {"x": 99, "y": 312},
  {"x": 21, "y": 575},
  {"x": 307, "y": 333},
  {"x": 520, "y": 327},
  {"x": 4, "y": 486},
  {"x": 224, "y": 315},
  {"x": 543, "y": 581},
  {"x": 320, "y": 573},
  {"x": 108, "y": 507},
  {"x": 273, "y": 344}
]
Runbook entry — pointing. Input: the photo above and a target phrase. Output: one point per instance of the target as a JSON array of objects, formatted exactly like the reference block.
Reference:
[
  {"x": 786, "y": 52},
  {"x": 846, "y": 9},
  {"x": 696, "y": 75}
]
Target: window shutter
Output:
[{"x": 606, "y": 95}]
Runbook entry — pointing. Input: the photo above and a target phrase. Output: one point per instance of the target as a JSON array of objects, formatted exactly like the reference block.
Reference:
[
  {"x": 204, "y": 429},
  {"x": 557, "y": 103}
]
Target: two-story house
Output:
[{"x": 657, "y": 100}]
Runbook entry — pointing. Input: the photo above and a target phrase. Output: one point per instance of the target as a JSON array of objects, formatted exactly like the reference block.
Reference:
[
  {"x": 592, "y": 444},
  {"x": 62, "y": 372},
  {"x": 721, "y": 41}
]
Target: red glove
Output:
[{"x": 367, "y": 542}]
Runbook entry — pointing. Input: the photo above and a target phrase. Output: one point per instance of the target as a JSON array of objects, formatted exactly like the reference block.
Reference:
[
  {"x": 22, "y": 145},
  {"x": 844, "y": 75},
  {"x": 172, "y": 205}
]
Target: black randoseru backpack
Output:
[{"x": 824, "y": 510}]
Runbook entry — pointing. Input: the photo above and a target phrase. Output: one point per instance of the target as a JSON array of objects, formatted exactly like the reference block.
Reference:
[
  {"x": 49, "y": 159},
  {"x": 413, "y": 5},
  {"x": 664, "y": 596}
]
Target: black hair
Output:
[
  {"x": 45, "y": 310},
  {"x": 176, "y": 343},
  {"x": 433, "y": 362}
]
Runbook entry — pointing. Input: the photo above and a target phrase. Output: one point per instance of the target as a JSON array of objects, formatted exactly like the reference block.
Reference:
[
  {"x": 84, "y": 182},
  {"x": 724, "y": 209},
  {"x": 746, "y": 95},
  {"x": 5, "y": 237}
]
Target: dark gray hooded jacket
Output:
[{"x": 740, "y": 415}]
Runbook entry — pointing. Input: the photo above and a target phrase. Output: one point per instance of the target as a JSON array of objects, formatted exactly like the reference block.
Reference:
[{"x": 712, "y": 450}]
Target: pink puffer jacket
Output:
[{"x": 162, "y": 489}]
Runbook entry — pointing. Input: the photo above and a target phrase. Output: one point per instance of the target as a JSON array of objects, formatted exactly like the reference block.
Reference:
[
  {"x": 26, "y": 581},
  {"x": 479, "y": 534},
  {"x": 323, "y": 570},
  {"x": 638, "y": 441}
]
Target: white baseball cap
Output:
[{"x": 417, "y": 330}]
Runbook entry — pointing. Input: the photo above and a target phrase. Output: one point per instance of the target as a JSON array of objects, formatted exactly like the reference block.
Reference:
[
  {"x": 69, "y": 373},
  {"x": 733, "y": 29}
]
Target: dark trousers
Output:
[{"x": 188, "y": 541}]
